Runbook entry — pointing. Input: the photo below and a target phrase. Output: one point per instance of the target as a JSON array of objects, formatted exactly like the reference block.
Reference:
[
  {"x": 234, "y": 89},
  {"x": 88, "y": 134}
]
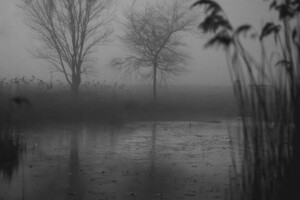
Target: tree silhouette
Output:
[
  {"x": 152, "y": 38},
  {"x": 69, "y": 31}
]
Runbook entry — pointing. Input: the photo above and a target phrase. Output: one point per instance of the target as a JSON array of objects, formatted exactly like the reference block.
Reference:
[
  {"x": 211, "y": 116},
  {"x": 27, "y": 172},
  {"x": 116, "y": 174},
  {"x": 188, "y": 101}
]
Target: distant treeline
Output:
[{"x": 112, "y": 103}]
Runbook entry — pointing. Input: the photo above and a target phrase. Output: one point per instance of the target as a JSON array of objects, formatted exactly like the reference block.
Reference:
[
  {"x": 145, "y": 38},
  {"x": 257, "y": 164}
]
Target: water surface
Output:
[{"x": 166, "y": 160}]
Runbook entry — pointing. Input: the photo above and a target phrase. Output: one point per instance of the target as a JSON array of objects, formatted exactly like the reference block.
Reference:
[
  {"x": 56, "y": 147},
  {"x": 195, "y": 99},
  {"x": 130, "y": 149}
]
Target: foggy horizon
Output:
[{"x": 206, "y": 66}]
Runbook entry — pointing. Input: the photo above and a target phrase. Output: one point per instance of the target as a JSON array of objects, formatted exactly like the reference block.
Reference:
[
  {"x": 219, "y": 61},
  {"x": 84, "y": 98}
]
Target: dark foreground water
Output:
[{"x": 167, "y": 160}]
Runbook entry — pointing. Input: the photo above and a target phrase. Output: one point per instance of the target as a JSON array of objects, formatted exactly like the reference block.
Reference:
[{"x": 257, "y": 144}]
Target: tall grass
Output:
[{"x": 265, "y": 152}]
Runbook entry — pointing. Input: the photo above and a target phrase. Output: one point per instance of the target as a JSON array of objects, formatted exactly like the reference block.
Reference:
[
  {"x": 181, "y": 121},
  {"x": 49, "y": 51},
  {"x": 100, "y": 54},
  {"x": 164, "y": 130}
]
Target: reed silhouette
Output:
[{"x": 268, "y": 99}]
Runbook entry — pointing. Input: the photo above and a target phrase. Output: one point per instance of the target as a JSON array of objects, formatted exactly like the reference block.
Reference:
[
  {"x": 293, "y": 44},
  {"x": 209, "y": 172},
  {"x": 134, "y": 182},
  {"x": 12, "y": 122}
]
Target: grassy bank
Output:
[{"x": 105, "y": 103}]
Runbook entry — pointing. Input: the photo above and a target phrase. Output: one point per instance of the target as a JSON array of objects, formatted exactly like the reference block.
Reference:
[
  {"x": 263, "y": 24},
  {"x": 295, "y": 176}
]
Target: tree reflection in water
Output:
[
  {"x": 152, "y": 171},
  {"x": 74, "y": 176}
]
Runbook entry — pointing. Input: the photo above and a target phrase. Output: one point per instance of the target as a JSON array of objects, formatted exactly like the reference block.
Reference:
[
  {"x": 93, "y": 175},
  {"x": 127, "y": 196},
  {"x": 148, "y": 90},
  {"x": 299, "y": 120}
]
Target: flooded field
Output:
[{"x": 164, "y": 160}]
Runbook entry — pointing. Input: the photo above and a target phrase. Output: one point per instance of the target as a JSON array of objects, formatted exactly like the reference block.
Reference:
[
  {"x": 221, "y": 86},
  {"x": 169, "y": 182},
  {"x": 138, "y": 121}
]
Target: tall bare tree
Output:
[
  {"x": 153, "y": 40},
  {"x": 70, "y": 31}
]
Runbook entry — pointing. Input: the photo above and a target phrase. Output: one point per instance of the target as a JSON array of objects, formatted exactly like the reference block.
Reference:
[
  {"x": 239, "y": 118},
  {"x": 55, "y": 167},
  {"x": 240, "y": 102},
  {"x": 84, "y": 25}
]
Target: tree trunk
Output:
[
  {"x": 75, "y": 87},
  {"x": 75, "y": 82},
  {"x": 154, "y": 91}
]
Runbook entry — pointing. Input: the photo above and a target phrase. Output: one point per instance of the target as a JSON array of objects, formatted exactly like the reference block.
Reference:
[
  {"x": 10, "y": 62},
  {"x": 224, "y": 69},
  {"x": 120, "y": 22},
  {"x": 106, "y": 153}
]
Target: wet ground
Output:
[{"x": 166, "y": 160}]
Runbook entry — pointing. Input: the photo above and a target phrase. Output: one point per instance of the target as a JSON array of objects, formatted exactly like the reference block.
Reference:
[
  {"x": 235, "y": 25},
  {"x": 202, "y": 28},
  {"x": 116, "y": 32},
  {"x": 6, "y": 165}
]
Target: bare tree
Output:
[
  {"x": 70, "y": 31},
  {"x": 153, "y": 40}
]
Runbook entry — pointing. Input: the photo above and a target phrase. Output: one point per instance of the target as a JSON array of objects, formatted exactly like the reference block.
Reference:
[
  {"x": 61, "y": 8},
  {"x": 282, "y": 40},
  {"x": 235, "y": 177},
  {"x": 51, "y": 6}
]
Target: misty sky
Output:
[{"x": 207, "y": 67}]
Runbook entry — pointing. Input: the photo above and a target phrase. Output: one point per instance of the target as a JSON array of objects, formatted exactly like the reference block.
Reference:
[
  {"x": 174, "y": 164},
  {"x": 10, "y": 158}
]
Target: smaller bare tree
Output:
[
  {"x": 153, "y": 40},
  {"x": 70, "y": 31}
]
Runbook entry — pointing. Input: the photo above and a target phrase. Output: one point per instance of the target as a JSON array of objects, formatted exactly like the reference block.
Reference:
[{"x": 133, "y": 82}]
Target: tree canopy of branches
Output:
[
  {"x": 153, "y": 40},
  {"x": 268, "y": 92},
  {"x": 70, "y": 31}
]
